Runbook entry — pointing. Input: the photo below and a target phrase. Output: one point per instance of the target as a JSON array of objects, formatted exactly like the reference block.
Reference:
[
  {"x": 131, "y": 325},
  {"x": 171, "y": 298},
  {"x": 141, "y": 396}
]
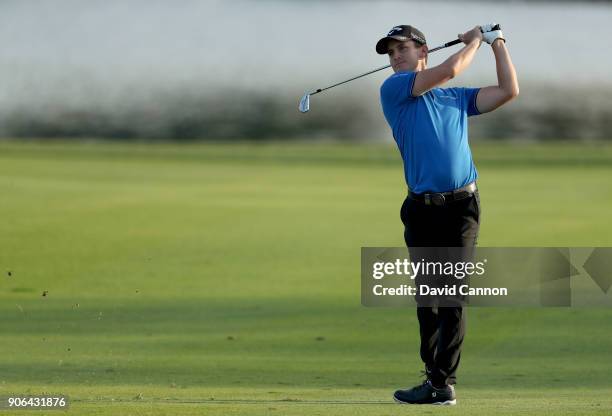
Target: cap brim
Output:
[{"x": 381, "y": 45}]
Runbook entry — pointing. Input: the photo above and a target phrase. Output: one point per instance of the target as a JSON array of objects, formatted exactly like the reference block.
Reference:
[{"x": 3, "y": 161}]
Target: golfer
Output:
[{"x": 442, "y": 208}]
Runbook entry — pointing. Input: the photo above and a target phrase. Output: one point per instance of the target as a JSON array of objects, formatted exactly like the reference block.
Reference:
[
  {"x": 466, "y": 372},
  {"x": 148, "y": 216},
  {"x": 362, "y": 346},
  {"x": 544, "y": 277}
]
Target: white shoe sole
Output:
[{"x": 446, "y": 403}]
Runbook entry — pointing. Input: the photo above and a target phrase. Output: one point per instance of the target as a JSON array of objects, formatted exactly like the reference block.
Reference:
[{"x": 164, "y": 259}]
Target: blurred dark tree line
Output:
[{"x": 539, "y": 113}]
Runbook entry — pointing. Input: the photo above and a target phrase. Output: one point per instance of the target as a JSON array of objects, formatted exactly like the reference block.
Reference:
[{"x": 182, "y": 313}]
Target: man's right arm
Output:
[{"x": 453, "y": 66}]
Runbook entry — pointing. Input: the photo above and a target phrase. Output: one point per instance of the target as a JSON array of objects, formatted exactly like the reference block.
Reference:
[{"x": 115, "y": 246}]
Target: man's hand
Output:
[
  {"x": 489, "y": 27},
  {"x": 471, "y": 35},
  {"x": 491, "y": 32}
]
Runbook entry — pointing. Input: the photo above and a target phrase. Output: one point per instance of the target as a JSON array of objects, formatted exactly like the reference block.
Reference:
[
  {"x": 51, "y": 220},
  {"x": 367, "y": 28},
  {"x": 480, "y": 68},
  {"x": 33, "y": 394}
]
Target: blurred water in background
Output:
[{"x": 236, "y": 69}]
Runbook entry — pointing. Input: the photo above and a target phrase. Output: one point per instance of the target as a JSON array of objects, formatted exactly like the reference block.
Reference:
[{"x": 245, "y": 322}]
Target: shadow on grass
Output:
[{"x": 268, "y": 343}]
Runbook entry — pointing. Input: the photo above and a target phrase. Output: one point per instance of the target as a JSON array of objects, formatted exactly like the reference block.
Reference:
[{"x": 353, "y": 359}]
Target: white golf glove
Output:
[{"x": 491, "y": 32}]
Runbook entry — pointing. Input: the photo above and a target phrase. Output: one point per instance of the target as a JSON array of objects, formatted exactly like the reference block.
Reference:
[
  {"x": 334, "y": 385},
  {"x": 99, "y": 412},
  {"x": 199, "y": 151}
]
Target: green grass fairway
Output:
[{"x": 224, "y": 279}]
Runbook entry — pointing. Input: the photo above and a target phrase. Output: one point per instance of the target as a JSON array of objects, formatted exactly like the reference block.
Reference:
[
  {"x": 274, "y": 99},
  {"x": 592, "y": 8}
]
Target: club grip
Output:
[{"x": 452, "y": 42}]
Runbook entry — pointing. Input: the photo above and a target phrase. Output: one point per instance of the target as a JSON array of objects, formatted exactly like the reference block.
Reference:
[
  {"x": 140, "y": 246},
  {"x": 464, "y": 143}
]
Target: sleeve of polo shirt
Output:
[
  {"x": 469, "y": 101},
  {"x": 397, "y": 89}
]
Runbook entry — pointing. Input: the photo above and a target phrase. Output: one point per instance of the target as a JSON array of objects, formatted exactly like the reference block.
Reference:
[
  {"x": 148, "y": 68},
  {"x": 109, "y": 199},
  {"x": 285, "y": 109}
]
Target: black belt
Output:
[{"x": 443, "y": 198}]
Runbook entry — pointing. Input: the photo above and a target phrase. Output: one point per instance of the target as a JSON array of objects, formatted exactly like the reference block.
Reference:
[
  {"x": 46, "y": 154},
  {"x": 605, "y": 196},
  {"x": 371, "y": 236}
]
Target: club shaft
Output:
[
  {"x": 446, "y": 45},
  {"x": 349, "y": 80}
]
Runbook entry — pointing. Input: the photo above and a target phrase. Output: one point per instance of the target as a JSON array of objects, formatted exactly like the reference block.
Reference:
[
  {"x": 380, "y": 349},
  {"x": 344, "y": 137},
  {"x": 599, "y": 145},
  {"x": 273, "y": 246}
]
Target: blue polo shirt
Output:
[{"x": 431, "y": 132}]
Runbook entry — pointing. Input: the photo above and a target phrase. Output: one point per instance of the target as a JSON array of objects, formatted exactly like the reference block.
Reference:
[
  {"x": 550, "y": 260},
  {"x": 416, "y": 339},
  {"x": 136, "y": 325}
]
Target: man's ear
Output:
[{"x": 423, "y": 51}]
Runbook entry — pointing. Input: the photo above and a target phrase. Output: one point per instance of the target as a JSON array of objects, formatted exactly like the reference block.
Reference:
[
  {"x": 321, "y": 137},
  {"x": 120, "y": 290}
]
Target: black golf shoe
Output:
[{"x": 426, "y": 393}]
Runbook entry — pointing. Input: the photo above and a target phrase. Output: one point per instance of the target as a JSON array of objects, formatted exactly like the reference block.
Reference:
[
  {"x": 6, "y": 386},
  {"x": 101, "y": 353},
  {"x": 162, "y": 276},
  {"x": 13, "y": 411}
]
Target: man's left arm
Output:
[{"x": 490, "y": 98}]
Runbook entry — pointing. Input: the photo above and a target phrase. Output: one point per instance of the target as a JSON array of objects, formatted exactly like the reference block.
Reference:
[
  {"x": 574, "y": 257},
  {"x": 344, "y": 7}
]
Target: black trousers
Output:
[{"x": 442, "y": 329}]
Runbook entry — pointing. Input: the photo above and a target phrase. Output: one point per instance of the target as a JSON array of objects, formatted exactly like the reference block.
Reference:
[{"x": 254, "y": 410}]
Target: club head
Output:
[{"x": 305, "y": 103}]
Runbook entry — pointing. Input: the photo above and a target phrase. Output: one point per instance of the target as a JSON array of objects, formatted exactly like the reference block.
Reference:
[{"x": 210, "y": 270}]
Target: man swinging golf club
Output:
[{"x": 442, "y": 209}]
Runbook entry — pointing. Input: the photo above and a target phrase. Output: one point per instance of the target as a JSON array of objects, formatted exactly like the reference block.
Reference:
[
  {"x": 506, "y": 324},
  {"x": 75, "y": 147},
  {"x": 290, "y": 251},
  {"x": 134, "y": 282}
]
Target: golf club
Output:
[{"x": 305, "y": 101}]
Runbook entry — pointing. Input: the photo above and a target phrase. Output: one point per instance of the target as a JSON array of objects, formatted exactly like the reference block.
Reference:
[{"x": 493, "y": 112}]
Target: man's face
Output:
[{"x": 404, "y": 56}]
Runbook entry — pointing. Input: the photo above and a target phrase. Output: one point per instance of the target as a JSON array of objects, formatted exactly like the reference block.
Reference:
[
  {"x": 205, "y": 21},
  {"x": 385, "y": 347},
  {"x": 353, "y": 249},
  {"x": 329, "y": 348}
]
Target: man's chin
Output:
[{"x": 402, "y": 68}]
